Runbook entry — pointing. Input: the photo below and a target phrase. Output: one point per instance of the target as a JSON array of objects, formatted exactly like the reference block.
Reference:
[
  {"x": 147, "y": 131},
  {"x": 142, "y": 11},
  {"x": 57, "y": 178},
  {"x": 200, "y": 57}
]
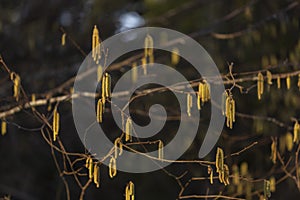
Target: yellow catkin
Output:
[
  {"x": 175, "y": 56},
  {"x": 129, "y": 191},
  {"x": 289, "y": 141},
  {"x": 148, "y": 46},
  {"x": 198, "y": 100},
  {"x": 260, "y": 85},
  {"x": 96, "y": 175},
  {"x": 274, "y": 151},
  {"x": 128, "y": 129},
  {"x": 189, "y": 105},
  {"x": 230, "y": 111},
  {"x": 267, "y": 192},
  {"x": 236, "y": 175},
  {"x": 296, "y": 132},
  {"x": 269, "y": 78},
  {"x": 288, "y": 82},
  {"x": 96, "y": 52},
  {"x": 244, "y": 169},
  {"x": 160, "y": 150},
  {"x": 3, "y": 127},
  {"x": 55, "y": 124},
  {"x": 63, "y": 39},
  {"x": 144, "y": 65},
  {"x": 112, "y": 167},
  {"x": 210, "y": 173},
  {"x": 134, "y": 72},
  {"x": 87, "y": 162},
  {"x": 282, "y": 144},
  {"x": 99, "y": 73},
  {"x": 33, "y": 97},
  {"x": 118, "y": 146},
  {"x": 107, "y": 85},
  {"x": 99, "y": 111},
  {"x": 90, "y": 168},
  {"x": 17, "y": 83},
  {"x": 298, "y": 84},
  {"x": 219, "y": 160},
  {"x": 278, "y": 82},
  {"x": 224, "y": 97},
  {"x": 272, "y": 184},
  {"x": 226, "y": 175}
]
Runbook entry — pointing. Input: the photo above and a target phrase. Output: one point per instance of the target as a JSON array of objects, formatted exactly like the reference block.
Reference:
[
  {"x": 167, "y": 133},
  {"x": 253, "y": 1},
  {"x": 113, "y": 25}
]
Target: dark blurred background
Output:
[{"x": 30, "y": 44}]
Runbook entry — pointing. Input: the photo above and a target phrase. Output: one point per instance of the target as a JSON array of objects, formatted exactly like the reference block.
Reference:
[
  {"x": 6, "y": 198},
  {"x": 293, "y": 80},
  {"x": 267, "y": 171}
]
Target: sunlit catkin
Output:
[
  {"x": 272, "y": 184},
  {"x": 289, "y": 141},
  {"x": 226, "y": 175},
  {"x": 3, "y": 127},
  {"x": 96, "y": 51},
  {"x": 90, "y": 167},
  {"x": 230, "y": 111},
  {"x": 278, "y": 82},
  {"x": 189, "y": 105},
  {"x": 99, "y": 73},
  {"x": 112, "y": 167},
  {"x": 129, "y": 191},
  {"x": 269, "y": 78},
  {"x": 219, "y": 160},
  {"x": 55, "y": 124},
  {"x": 210, "y": 173},
  {"x": 298, "y": 84},
  {"x": 148, "y": 46},
  {"x": 96, "y": 175},
  {"x": 118, "y": 146},
  {"x": 175, "y": 56},
  {"x": 160, "y": 150},
  {"x": 274, "y": 151},
  {"x": 99, "y": 111},
  {"x": 296, "y": 132},
  {"x": 260, "y": 85},
  {"x": 134, "y": 72},
  {"x": 267, "y": 191},
  {"x": 17, "y": 83},
  {"x": 128, "y": 129},
  {"x": 288, "y": 82},
  {"x": 244, "y": 169},
  {"x": 107, "y": 85},
  {"x": 236, "y": 175},
  {"x": 63, "y": 39}
]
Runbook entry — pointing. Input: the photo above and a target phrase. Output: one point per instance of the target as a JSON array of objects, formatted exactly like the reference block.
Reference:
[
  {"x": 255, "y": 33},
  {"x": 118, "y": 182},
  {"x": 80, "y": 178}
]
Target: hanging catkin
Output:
[
  {"x": 129, "y": 191},
  {"x": 289, "y": 141},
  {"x": 128, "y": 130},
  {"x": 219, "y": 160},
  {"x": 118, "y": 146},
  {"x": 267, "y": 192},
  {"x": 298, "y": 84},
  {"x": 96, "y": 175},
  {"x": 189, "y": 105},
  {"x": 210, "y": 173},
  {"x": 160, "y": 150},
  {"x": 236, "y": 175},
  {"x": 3, "y": 127},
  {"x": 134, "y": 72},
  {"x": 90, "y": 167},
  {"x": 175, "y": 56},
  {"x": 112, "y": 167},
  {"x": 99, "y": 73},
  {"x": 274, "y": 151},
  {"x": 99, "y": 111},
  {"x": 288, "y": 82},
  {"x": 269, "y": 78},
  {"x": 272, "y": 184},
  {"x": 260, "y": 85},
  {"x": 278, "y": 82},
  {"x": 55, "y": 124},
  {"x": 296, "y": 132},
  {"x": 63, "y": 39},
  {"x": 96, "y": 50},
  {"x": 17, "y": 83},
  {"x": 230, "y": 111}
]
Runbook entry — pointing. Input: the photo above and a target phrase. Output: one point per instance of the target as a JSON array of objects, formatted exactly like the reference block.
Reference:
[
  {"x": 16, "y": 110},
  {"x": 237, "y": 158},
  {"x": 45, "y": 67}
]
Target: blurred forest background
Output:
[{"x": 253, "y": 34}]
